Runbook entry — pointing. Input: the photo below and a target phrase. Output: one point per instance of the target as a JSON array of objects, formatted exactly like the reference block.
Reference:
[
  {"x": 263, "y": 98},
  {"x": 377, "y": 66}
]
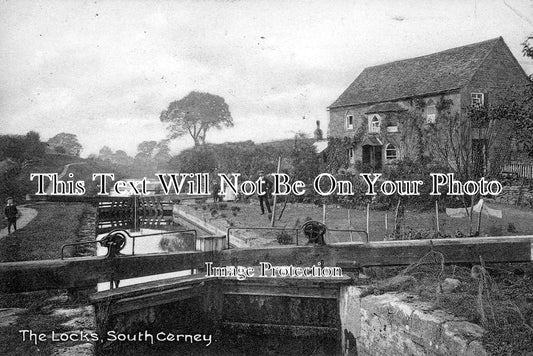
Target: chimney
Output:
[{"x": 318, "y": 132}]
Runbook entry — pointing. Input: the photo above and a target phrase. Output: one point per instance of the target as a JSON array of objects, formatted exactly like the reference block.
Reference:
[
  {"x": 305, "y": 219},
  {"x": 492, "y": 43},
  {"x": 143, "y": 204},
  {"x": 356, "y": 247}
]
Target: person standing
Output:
[
  {"x": 263, "y": 196},
  {"x": 216, "y": 190},
  {"x": 11, "y": 213}
]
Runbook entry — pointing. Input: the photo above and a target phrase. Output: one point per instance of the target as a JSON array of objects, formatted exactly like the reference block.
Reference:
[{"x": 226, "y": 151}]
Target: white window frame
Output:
[
  {"x": 431, "y": 118},
  {"x": 387, "y": 148},
  {"x": 371, "y": 127},
  {"x": 347, "y": 123},
  {"x": 477, "y": 99}
]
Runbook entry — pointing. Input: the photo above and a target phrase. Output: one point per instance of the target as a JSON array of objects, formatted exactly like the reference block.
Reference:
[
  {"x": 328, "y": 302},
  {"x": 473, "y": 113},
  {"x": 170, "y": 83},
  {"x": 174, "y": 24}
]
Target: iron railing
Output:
[
  {"x": 285, "y": 229},
  {"x": 133, "y": 237}
]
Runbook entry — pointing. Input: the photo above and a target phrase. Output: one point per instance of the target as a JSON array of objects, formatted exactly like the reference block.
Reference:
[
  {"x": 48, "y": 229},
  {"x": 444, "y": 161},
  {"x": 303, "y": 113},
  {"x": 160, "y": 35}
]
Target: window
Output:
[
  {"x": 374, "y": 124},
  {"x": 431, "y": 114},
  {"x": 349, "y": 122},
  {"x": 351, "y": 155},
  {"x": 390, "y": 152},
  {"x": 477, "y": 99}
]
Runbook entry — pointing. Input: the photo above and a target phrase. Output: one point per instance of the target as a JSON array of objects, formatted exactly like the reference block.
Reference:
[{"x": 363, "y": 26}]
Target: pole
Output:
[
  {"x": 386, "y": 224},
  {"x": 367, "y": 219},
  {"x": 350, "y": 224},
  {"x": 479, "y": 219},
  {"x": 273, "y": 218},
  {"x": 437, "y": 215},
  {"x": 324, "y": 213}
]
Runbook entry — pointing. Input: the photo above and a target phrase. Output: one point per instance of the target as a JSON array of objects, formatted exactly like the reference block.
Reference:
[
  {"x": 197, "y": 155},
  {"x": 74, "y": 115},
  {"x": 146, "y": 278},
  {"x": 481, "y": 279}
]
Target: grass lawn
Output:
[
  {"x": 55, "y": 224},
  {"x": 515, "y": 221}
]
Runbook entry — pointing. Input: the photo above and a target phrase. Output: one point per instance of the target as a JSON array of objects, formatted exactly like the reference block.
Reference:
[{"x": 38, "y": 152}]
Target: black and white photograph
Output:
[{"x": 279, "y": 178}]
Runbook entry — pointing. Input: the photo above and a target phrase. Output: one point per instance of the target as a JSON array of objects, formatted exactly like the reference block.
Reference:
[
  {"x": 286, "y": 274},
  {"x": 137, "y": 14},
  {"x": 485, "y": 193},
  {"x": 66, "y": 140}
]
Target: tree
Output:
[
  {"x": 195, "y": 114},
  {"x": 146, "y": 148},
  {"x": 194, "y": 160},
  {"x": 105, "y": 153},
  {"x": 68, "y": 141},
  {"x": 162, "y": 154},
  {"x": 23, "y": 150}
]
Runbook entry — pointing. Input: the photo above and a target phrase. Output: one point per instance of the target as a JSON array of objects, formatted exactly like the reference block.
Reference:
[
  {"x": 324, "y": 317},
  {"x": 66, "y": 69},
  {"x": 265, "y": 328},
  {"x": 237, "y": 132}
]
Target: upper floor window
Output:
[
  {"x": 374, "y": 125},
  {"x": 390, "y": 152},
  {"x": 349, "y": 122},
  {"x": 477, "y": 99},
  {"x": 431, "y": 114}
]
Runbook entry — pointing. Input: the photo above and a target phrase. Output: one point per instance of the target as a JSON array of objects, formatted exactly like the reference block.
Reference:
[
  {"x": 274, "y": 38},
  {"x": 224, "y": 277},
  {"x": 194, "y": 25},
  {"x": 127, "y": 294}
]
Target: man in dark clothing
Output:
[
  {"x": 11, "y": 213},
  {"x": 267, "y": 185},
  {"x": 216, "y": 190}
]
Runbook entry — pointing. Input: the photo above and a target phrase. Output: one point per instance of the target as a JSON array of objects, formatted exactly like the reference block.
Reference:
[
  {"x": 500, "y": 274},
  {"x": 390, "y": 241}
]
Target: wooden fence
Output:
[{"x": 524, "y": 170}]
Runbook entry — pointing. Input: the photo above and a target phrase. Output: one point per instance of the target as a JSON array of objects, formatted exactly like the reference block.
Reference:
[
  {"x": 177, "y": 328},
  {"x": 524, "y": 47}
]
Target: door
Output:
[{"x": 372, "y": 157}]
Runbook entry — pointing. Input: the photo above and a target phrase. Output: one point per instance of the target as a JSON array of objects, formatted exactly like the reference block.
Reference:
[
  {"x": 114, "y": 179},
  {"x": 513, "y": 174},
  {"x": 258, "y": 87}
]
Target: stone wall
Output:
[{"x": 398, "y": 324}]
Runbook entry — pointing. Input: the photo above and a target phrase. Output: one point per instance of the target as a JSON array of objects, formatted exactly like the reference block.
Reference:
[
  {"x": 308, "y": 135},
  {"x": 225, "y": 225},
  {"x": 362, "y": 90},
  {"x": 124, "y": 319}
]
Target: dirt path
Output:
[{"x": 26, "y": 215}]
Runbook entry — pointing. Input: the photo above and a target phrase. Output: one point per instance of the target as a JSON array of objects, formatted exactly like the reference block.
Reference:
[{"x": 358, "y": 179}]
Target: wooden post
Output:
[
  {"x": 479, "y": 219},
  {"x": 134, "y": 213},
  {"x": 350, "y": 224},
  {"x": 273, "y": 218},
  {"x": 367, "y": 219},
  {"x": 437, "y": 215}
]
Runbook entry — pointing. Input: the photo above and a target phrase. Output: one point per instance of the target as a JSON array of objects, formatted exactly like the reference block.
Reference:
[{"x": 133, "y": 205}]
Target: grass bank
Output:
[{"x": 55, "y": 225}]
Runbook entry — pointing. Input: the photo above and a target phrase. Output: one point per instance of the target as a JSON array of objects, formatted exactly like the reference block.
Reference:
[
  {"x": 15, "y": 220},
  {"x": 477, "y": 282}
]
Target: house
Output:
[{"x": 367, "y": 111}]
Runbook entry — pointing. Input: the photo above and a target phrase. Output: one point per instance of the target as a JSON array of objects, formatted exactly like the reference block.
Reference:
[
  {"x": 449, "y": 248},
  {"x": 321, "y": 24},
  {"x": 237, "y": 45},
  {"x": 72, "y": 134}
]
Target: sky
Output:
[{"x": 104, "y": 70}]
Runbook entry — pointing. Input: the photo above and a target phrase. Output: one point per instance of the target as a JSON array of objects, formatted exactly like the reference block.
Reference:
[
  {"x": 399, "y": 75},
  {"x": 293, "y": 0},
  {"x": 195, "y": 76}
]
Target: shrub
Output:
[
  {"x": 511, "y": 227},
  {"x": 284, "y": 238},
  {"x": 179, "y": 242},
  {"x": 495, "y": 230}
]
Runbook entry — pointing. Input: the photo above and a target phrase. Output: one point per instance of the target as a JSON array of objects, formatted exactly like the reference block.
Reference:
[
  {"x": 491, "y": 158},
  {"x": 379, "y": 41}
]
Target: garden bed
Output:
[{"x": 415, "y": 224}]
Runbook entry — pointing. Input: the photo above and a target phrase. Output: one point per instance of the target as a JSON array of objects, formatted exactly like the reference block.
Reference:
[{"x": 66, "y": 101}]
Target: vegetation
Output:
[
  {"x": 56, "y": 224},
  {"x": 195, "y": 114},
  {"x": 65, "y": 143},
  {"x": 493, "y": 296}
]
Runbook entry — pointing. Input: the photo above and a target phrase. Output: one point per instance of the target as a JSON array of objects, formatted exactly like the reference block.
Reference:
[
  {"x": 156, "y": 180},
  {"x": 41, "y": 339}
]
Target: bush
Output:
[
  {"x": 179, "y": 242},
  {"x": 284, "y": 238},
  {"x": 495, "y": 230},
  {"x": 511, "y": 228}
]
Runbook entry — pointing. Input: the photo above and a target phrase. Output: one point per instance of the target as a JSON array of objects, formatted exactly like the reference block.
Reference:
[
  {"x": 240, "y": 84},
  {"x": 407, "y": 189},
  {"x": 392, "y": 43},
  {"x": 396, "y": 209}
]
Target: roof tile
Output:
[{"x": 434, "y": 73}]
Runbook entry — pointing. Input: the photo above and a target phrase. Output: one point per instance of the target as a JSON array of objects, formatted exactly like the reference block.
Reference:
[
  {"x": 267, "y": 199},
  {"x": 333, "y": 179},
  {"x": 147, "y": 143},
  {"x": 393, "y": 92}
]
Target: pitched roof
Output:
[{"x": 434, "y": 73}]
